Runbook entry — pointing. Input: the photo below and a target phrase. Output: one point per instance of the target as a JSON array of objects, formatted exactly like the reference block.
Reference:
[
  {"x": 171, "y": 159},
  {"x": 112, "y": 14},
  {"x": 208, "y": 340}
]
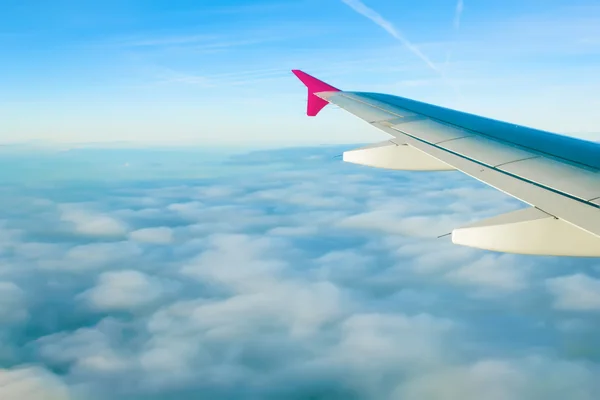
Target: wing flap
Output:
[
  {"x": 528, "y": 231},
  {"x": 578, "y": 182},
  {"x": 487, "y": 151},
  {"x": 391, "y": 155},
  {"x": 432, "y": 131}
]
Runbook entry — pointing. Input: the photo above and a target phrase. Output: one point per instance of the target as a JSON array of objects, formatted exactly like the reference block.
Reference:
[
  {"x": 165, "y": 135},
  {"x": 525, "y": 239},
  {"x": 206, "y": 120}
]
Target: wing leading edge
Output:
[{"x": 557, "y": 175}]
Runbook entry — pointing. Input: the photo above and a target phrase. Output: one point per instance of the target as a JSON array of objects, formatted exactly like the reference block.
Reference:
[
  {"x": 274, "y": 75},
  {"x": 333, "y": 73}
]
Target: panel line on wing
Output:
[
  {"x": 494, "y": 138},
  {"x": 586, "y": 202},
  {"x": 568, "y": 208},
  {"x": 405, "y": 119},
  {"x": 514, "y": 161},
  {"x": 456, "y": 138},
  {"x": 564, "y": 186}
]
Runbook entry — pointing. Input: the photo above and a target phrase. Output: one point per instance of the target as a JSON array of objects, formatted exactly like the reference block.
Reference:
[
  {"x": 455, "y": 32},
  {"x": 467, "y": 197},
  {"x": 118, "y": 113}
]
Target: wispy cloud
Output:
[
  {"x": 165, "y": 40},
  {"x": 458, "y": 13},
  {"x": 195, "y": 42},
  {"x": 236, "y": 78},
  {"x": 374, "y": 16}
]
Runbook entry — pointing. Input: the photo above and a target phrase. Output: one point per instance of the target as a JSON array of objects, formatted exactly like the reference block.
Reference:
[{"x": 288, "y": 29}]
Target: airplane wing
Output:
[{"x": 558, "y": 176}]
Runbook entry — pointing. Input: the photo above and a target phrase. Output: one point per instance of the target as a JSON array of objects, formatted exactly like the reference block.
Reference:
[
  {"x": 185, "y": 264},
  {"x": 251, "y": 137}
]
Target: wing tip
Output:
[{"x": 314, "y": 85}]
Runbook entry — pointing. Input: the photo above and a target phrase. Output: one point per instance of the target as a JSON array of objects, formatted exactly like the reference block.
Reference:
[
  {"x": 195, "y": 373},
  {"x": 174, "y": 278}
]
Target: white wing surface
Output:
[{"x": 558, "y": 176}]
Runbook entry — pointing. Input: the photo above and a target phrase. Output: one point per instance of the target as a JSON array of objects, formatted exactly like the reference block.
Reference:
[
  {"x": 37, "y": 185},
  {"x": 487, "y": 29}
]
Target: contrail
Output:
[
  {"x": 361, "y": 8},
  {"x": 458, "y": 13},
  {"x": 458, "y": 10}
]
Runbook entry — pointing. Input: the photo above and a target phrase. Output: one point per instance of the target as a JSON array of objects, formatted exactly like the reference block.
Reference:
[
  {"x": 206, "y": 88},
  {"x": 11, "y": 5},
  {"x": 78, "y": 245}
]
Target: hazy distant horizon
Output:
[{"x": 248, "y": 145}]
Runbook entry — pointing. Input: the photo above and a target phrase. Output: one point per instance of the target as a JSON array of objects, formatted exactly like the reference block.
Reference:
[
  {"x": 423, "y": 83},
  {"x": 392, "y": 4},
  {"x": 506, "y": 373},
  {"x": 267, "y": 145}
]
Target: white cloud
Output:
[
  {"x": 418, "y": 256},
  {"x": 93, "y": 256},
  {"x": 577, "y": 292},
  {"x": 189, "y": 209},
  {"x": 92, "y": 223},
  {"x": 393, "y": 341},
  {"x": 498, "y": 380},
  {"x": 161, "y": 235},
  {"x": 347, "y": 264},
  {"x": 262, "y": 292},
  {"x": 495, "y": 379},
  {"x": 13, "y": 307},
  {"x": 418, "y": 226},
  {"x": 212, "y": 192},
  {"x": 241, "y": 262},
  {"x": 275, "y": 298},
  {"x": 91, "y": 352},
  {"x": 226, "y": 217},
  {"x": 306, "y": 195},
  {"x": 205, "y": 340},
  {"x": 493, "y": 272},
  {"x": 38, "y": 251},
  {"x": 8, "y": 236},
  {"x": 31, "y": 383},
  {"x": 296, "y": 308},
  {"x": 123, "y": 290},
  {"x": 293, "y": 231}
]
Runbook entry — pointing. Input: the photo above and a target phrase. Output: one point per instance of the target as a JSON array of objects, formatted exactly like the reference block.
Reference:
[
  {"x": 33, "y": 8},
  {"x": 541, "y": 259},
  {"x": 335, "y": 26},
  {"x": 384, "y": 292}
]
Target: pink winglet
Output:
[{"x": 315, "y": 104}]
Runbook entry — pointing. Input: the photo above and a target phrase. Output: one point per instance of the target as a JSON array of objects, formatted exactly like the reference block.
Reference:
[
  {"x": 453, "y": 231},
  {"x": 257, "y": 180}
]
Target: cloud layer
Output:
[{"x": 280, "y": 274}]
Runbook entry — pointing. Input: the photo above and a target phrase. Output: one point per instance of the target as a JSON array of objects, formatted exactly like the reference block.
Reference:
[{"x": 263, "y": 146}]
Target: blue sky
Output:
[
  {"x": 275, "y": 274},
  {"x": 218, "y": 72}
]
